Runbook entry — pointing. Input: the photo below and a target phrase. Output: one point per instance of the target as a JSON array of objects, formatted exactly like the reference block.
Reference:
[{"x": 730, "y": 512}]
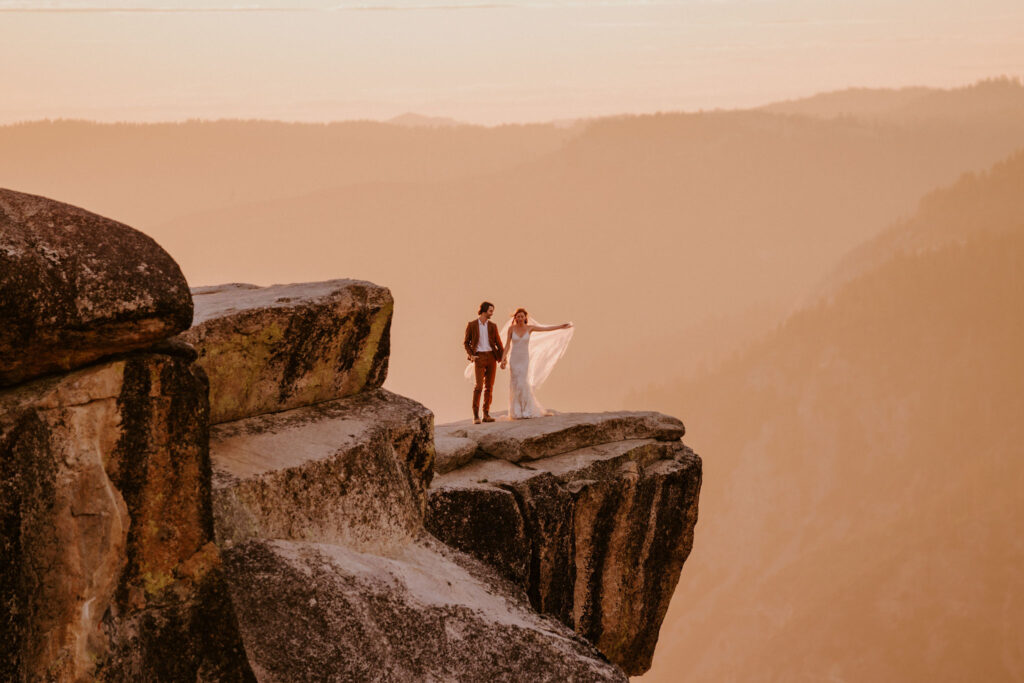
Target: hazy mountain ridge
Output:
[
  {"x": 867, "y": 461},
  {"x": 988, "y": 202},
  {"x": 727, "y": 211},
  {"x": 244, "y": 161},
  {"x": 906, "y": 105},
  {"x": 724, "y": 212},
  {"x": 414, "y": 120}
]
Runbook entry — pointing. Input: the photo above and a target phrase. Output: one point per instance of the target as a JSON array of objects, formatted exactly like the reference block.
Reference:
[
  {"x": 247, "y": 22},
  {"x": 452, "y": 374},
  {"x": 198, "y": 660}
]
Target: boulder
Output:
[
  {"x": 597, "y": 536},
  {"x": 268, "y": 349},
  {"x": 352, "y": 471},
  {"x": 106, "y": 529},
  {"x": 324, "y": 612},
  {"x": 516, "y": 440},
  {"x": 76, "y": 287}
]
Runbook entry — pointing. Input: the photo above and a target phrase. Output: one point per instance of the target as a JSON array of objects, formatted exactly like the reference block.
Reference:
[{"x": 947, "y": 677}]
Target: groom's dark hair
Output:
[{"x": 483, "y": 307}]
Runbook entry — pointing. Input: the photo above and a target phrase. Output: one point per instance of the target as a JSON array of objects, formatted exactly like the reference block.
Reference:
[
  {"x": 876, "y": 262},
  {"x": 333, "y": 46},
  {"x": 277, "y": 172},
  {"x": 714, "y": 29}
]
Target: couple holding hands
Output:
[{"x": 529, "y": 361}]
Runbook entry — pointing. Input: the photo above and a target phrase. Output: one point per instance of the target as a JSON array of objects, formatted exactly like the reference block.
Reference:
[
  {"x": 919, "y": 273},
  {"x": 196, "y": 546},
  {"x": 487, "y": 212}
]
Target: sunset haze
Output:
[
  {"x": 479, "y": 62},
  {"x": 796, "y": 225}
]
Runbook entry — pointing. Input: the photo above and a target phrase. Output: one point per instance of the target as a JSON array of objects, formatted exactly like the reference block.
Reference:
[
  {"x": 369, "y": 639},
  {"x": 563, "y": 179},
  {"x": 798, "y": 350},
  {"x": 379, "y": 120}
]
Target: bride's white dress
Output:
[{"x": 521, "y": 401}]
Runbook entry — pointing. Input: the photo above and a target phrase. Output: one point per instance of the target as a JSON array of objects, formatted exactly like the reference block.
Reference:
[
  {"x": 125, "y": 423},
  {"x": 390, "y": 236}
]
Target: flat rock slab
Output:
[
  {"x": 75, "y": 287},
  {"x": 106, "y": 536},
  {"x": 452, "y": 452},
  {"x": 353, "y": 471},
  {"x": 597, "y": 536},
  {"x": 543, "y": 437},
  {"x": 268, "y": 349},
  {"x": 321, "y": 612}
]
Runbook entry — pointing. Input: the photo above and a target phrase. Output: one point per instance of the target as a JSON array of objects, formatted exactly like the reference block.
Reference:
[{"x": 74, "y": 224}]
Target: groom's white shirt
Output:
[{"x": 484, "y": 345}]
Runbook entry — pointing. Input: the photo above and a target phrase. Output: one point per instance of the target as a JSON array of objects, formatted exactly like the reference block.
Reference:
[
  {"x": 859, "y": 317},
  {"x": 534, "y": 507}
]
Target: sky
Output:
[{"x": 480, "y": 62}]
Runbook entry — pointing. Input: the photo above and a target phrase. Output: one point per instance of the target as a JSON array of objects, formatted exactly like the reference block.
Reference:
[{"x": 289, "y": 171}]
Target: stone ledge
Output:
[
  {"x": 517, "y": 440},
  {"x": 352, "y": 471},
  {"x": 268, "y": 349},
  {"x": 452, "y": 452}
]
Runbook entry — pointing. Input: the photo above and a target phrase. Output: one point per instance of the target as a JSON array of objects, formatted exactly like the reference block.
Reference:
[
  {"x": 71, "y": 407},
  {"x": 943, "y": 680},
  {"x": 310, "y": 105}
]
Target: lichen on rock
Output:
[
  {"x": 268, "y": 349},
  {"x": 76, "y": 287},
  {"x": 106, "y": 523}
]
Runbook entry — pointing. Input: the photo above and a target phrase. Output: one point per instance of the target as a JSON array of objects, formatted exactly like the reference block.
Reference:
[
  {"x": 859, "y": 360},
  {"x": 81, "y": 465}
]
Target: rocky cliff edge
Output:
[{"x": 244, "y": 502}]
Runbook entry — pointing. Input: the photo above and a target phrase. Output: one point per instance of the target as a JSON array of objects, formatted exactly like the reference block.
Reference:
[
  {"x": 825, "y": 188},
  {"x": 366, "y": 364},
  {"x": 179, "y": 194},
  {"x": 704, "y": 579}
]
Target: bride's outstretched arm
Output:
[
  {"x": 508, "y": 349},
  {"x": 549, "y": 328}
]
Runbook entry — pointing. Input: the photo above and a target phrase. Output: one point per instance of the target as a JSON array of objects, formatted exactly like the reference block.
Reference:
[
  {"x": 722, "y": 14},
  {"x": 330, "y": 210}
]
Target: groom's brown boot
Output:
[{"x": 488, "y": 418}]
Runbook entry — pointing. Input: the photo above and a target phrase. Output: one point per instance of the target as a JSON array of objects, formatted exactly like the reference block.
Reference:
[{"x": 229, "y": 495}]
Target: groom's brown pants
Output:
[{"x": 486, "y": 368}]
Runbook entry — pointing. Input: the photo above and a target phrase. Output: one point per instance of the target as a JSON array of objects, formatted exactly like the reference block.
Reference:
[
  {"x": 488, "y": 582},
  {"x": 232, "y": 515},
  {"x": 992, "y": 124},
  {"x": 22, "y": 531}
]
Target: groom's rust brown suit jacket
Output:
[{"x": 473, "y": 338}]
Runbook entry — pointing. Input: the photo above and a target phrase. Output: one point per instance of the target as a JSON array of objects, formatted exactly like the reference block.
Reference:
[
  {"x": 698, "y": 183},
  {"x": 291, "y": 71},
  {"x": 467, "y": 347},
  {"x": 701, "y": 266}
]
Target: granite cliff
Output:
[
  {"x": 230, "y": 495},
  {"x": 591, "y": 514}
]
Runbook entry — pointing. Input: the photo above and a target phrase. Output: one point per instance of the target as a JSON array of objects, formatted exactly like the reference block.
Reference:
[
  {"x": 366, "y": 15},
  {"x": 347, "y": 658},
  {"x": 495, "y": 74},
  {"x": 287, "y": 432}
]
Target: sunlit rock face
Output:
[
  {"x": 596, "y": 529},
  {"x": 106, "y": 530},
  {"x": 75, "y": 287},
  {"x": 268, "y": 349},
  {"x": 352, "y": 471}
]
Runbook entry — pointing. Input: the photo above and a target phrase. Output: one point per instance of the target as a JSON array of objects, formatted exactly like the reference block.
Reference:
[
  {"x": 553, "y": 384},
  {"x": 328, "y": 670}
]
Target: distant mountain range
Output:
[
  {"x": 861, "y": 503},
  {"x": 419, "y": 121},
  {"x": 911, "y": 105},
  {"x": 673, "y": 239},
  {"x": 978, "y": 204}
]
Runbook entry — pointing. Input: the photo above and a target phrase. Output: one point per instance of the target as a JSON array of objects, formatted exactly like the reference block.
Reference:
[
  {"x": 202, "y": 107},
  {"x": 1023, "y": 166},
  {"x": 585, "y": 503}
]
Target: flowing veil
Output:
[{"x": 546, "y": 349}]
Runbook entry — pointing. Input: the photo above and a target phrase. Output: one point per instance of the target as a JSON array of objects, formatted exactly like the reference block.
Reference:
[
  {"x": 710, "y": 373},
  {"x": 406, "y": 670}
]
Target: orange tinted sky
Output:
[{"x": 479, "y": 62}]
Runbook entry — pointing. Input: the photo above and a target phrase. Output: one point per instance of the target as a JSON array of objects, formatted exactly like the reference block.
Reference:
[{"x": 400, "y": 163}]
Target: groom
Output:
[{"x": 485, "y": 350}]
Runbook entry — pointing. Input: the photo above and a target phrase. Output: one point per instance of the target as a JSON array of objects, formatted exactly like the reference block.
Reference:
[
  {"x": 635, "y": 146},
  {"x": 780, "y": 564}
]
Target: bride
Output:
[{"x": 531, "y": 361}]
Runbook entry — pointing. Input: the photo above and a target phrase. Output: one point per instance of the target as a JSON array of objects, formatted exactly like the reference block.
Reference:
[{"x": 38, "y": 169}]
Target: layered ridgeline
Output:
[
  {"x": 914, "y": 106},
  {"x": 863, "y": 520},
  {"x": 240, "y": 500},
  {"x": 731, "y": 215}
]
